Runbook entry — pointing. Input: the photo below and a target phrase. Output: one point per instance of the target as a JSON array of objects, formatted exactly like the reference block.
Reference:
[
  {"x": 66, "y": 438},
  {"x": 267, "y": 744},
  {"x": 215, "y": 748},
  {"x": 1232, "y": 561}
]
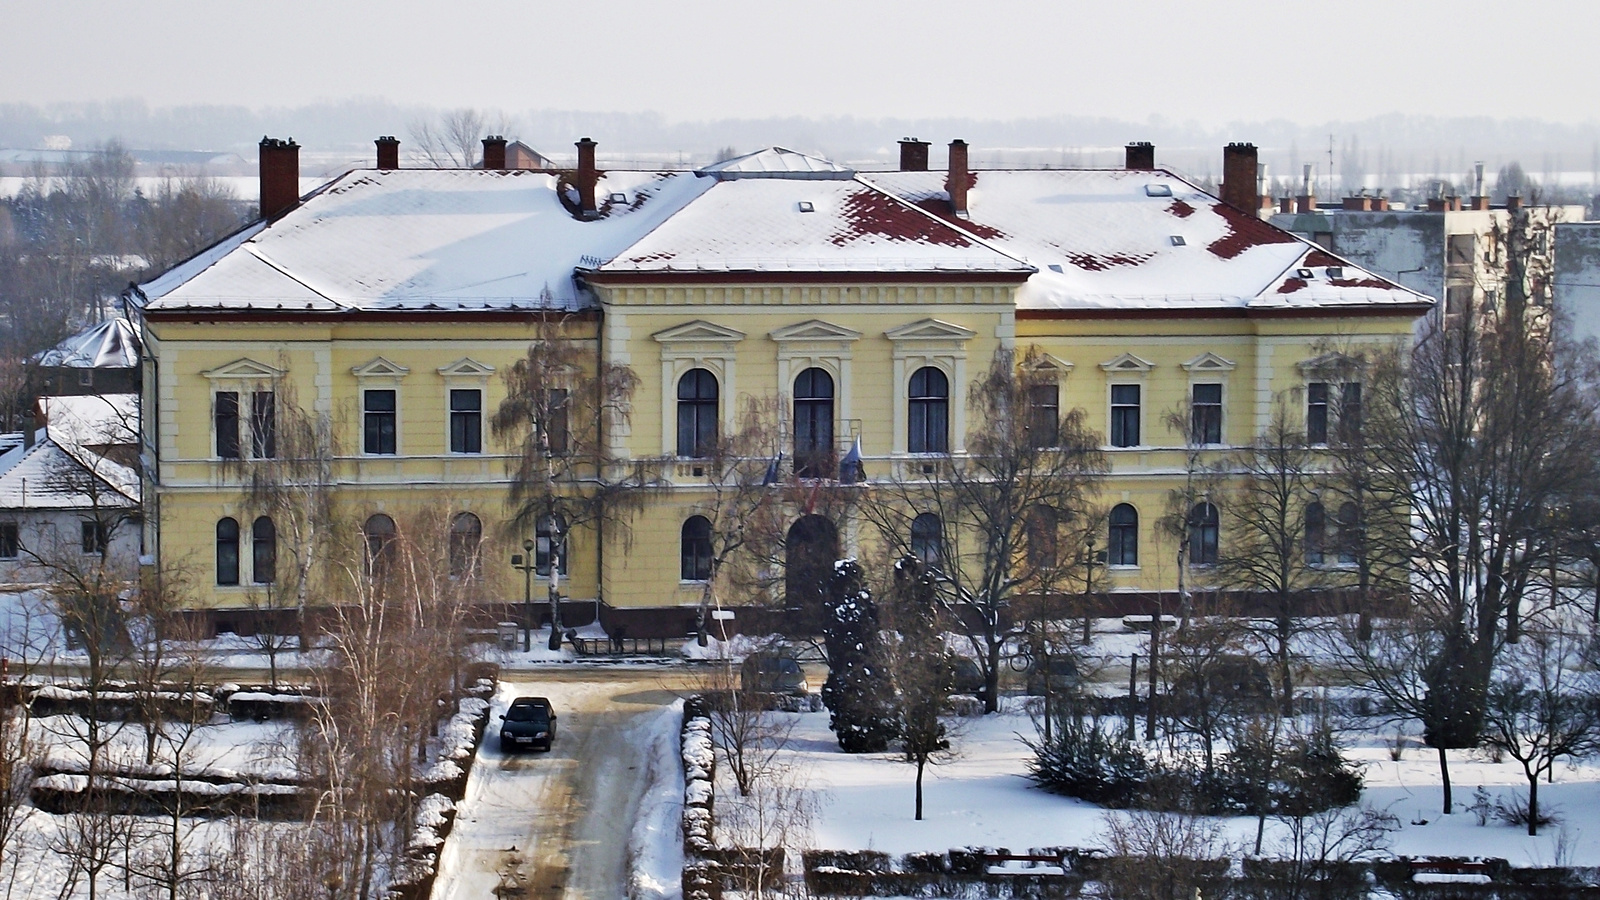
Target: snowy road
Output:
[{"x": 553, "y": 826}]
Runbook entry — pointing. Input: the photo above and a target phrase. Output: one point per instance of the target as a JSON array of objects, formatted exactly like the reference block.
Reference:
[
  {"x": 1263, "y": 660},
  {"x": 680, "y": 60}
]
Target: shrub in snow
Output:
[
  {"x": 857, "y": 692},
  {"x": 1514, "y": 811},
  {"x": 1092, "y": 762}
]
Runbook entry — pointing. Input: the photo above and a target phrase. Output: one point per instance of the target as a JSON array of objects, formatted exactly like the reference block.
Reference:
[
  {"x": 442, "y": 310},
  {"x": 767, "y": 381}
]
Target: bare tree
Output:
[
  {"x": 287, "y": 476},
  {"x": 741, "y": 493},
  {"x": 1158, "y": 855},
  {"x": 1318, "y": 850},
  {"x": 569, "y": 473},
  {"x": 454, "y": 139},
  {"x": 1540, "y": 708},
  {"x": 1478, "y": 432},
  {"x": 988, "y": 500},
  {"x": 1265, "y": 553}
]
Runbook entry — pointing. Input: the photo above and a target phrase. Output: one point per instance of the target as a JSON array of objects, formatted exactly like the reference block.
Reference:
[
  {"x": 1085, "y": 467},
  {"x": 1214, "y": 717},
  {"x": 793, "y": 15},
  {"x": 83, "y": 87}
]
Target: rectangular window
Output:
[
  {"x": 378, "y": 428},
  {"x": 1317, "y": 412},
  {"x": 10, "y": 542},
  {"x": 541, "y": 553},
  {"x": 94, "y": 536},
  {"x": 466, "y": 421},
  {"x": 1457, "y": 299},
  {"x": 1459, "y": 251},
  {"x": 1205, "y": 409},
  {"x": 1124, "y": 415},
  {"x": 263, "y": 425},
  {"x": 555, "y": 424},
  {"x": 1044, "y": 415},
  {"x": 225, "y": 417},
  {"x": 1349, "y": 410}
]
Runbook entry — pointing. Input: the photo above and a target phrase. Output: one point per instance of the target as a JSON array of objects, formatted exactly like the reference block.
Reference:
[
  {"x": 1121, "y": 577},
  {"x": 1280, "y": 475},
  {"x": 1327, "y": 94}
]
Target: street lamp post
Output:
[{"x": 527, "y": 563}]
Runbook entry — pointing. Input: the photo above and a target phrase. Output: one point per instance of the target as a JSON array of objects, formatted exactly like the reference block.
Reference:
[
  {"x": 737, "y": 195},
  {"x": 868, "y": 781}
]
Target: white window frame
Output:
[
  {"x": 465, "y": 374},
  {"x": 382, "y": 375},
  {"x": 1129, "y": 369}
]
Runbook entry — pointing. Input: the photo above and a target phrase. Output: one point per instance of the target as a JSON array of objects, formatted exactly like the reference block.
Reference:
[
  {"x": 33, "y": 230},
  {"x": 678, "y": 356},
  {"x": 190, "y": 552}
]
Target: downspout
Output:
[{"x": 579, "y": 287}]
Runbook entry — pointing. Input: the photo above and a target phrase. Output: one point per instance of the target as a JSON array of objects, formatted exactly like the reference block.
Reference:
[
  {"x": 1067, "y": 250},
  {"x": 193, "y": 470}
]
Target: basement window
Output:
[
  {"x": 807, "y": 206},
  {"x": 1178, "y": 241},
  {"x": 1158, "y": 190}
]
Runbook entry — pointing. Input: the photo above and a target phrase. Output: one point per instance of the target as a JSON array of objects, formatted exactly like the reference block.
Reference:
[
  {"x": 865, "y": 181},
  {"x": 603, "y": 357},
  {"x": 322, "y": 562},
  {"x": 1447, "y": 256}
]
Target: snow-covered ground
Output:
[{"x": 983, "y": 797}]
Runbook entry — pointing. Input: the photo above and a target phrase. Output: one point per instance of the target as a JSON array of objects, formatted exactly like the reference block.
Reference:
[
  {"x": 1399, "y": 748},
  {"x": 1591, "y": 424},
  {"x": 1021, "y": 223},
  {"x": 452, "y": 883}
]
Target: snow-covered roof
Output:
[
  {"x": 1117, "y": 239},
  {"x": 776, "y": 162},
  {"x": 65, "y": 469},
  {"x": 113, "y": 344},
  {"x": 46, "y": 476},
  {"x": 425, "y": 239},
  {"x": 782, "y": 225}
]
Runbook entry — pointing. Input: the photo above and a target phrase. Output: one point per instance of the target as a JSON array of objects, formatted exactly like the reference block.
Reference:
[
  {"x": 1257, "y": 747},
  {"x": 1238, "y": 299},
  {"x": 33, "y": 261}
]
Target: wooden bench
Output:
[{"x": 1057, "y": 864}]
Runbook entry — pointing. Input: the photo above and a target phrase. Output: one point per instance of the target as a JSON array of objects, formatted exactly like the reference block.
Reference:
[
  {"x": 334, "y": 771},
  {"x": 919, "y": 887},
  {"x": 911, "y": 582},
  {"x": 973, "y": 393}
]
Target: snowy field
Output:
[{"x": 983, "y": 797}]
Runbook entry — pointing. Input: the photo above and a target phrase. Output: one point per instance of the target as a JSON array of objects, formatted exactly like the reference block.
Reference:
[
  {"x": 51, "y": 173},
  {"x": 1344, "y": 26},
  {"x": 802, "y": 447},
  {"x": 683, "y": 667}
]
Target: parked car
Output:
[
  {"x": 530, "y": 724},
  {"x": 966, "y": 677},
  {"x": 773, "y": 672},
  {"x": 1062, "y": 675},
  {"x": 1238, "y": 680}
]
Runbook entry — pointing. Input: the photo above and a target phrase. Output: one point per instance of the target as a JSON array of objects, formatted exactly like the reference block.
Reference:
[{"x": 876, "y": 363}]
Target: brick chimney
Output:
[
  {"x": 494, "y": 152},
  {"x": 587, "y": 176},
  {"x": 1239, "y": 177},
  {"x": 913, "y": 155},
  {"x": 957, "y": 181},
  {"x": 388, "y": 152},
  {"x": 1514, "y": 203},
  {"x": 1358, "y": 203},
  {"x": 280, "y": 176},
  {"x": 1306, "y": 202},
  {"x": 1479, "y": 200},
  {"x": 1139, "y": 156}
]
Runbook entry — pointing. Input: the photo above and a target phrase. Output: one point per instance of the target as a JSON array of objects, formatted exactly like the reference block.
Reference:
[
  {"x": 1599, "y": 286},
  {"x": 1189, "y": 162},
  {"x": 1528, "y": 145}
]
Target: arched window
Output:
[
  {"x": 1204, "y": 528},
  {"x": 813, "y": 424},
  {"x": 1316, "y": 533},
  {"x": 930, "y": 412},
  {"x": 227, "y": 551},
  {"x": 381, "y": 536},
  {"x": 697, "y": 413},
  {"x": 1123, "y": 547},
  {"x": 927, "y": 539},
  {"x": 694, "y": 552},
  {"x": 1349, "y": 525},
  {"x": 466, "y": 538},
  {"x": 263, "y": 551}
]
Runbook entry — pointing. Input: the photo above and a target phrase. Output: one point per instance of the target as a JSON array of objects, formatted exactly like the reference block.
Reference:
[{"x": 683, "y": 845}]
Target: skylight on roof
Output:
[
  {"x": 1178, "y": 241},
  {"x": 1055, "y": 267},
  {"x": 618, "y": 197},
  {"x": 1304, "y": 273},
  {"x": 807, "y": 206},
  {"x": 1335, "y": 271},
  {"x": 1158, "y": 190}
]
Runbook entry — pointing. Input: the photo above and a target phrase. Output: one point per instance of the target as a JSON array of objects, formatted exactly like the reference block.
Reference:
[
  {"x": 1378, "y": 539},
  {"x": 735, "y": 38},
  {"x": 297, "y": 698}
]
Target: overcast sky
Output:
[{"x": 1212, "y": 61}]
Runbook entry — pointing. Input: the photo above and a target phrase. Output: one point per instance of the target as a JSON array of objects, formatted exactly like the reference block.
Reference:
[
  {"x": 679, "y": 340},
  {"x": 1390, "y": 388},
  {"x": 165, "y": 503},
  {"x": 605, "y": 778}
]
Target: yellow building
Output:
[{"x": 394, "y": 301}]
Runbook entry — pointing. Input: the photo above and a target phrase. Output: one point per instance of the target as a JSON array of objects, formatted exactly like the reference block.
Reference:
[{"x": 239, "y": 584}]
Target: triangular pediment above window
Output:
[
  {"x": 1047, "y": 363},
  {"x": 243, "y": 368},
  {"x": 930, "y": 330},
  {"x": 815, "y": 330},
  {"x": 380, "y": 368},
  {"x": 467, "y": 367},
  {"x": 1332, "y": 364},
  {"x": 1209, "y": 362},
  {"x": 698, "y": 331},
  {"x": 1127, "y": 362}
]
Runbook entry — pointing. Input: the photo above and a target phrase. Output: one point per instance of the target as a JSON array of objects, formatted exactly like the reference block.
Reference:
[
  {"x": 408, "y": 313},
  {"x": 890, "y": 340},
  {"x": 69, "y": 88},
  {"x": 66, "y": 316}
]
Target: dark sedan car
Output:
[{"x": 529, "y": 724}]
